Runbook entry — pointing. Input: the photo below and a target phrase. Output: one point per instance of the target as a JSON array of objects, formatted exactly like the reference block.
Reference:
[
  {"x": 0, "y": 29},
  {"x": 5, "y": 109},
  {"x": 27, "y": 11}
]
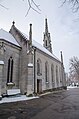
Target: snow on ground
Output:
[
  {"x": 15, "y": 99},
  {"x": 70, "y": 87}
]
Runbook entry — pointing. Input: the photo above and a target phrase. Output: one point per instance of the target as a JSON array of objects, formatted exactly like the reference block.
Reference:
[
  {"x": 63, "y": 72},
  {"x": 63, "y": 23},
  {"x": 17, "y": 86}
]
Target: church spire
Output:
[
  {"x": 46, "y": 26},
  {"x": 47, "y": 39}
]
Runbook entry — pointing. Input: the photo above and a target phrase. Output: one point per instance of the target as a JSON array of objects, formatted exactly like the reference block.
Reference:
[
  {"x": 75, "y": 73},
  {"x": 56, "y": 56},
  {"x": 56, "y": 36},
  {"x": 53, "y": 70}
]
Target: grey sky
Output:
[{"x": 63, "y": 24}]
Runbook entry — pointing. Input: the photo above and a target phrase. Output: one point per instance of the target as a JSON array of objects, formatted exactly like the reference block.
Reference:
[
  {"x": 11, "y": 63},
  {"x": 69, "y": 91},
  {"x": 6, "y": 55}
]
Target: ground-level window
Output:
[{"x": 10, "y": 70}]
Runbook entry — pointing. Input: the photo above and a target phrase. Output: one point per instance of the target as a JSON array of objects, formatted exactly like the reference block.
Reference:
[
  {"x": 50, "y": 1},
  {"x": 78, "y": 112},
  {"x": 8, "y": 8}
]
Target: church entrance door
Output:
[{"x": 39, "y": 85}]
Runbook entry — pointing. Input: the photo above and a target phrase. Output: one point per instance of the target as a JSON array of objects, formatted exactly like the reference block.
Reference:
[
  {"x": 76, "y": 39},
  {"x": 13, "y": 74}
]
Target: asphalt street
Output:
[{"x": 58, "y": 105}]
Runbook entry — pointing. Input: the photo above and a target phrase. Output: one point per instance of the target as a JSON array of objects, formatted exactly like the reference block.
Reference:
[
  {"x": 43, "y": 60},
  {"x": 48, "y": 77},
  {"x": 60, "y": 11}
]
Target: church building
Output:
[{"x": 27, "y": 65}]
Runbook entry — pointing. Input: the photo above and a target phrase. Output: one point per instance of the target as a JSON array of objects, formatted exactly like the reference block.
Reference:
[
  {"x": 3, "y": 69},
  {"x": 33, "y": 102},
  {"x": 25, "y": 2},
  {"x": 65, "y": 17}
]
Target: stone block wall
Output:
[
  {"x": 48, "y": 85},
  {"x": 14, "y": 52}
]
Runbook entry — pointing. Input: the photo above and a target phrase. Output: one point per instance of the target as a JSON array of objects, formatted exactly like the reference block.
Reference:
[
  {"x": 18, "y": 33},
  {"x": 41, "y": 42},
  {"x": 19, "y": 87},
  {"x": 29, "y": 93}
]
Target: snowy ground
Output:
[
  {"x": 23, "y": 97},
  {"x": 15, "y": 99},
  {"x": 69, "y": 87}
]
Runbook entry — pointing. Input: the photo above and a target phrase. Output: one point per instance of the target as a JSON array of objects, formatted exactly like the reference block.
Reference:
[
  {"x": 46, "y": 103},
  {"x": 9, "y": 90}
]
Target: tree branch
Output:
[
  {"x": 3, "y": 6},
  {"x": 30, "y": 7},
  {"x": 74, "y": 3}
]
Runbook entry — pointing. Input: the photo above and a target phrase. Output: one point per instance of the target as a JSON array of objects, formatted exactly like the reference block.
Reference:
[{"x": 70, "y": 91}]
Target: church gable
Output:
[
  {"x": 6, "y": 36},
  {"x": 19, "y": 36}
]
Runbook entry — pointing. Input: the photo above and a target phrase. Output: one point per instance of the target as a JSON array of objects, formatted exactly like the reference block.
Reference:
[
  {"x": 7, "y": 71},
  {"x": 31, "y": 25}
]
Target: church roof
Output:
[
  {"x": 37, "y": 45},
  {"x": 8, "y": 37},
  {"x": 40, "y": 47}
]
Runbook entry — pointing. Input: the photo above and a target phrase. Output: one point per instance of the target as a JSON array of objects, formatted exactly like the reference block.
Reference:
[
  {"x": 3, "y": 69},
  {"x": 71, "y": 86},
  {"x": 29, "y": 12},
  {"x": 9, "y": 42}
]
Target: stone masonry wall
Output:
[{"x": 14, "y": 52}]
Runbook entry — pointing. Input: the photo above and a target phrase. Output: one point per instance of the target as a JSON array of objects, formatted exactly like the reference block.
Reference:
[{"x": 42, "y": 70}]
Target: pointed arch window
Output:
[
  {"x": 46, "y": 71},
  {"x": 46, "y": 42},
  {"x": 57, "y": 74},
  {"x": 52, "y": 73},
  {"x": 39, "y": 67},
  {"x": 60, "y": 74},
  {"x": 10, "y": 70}
]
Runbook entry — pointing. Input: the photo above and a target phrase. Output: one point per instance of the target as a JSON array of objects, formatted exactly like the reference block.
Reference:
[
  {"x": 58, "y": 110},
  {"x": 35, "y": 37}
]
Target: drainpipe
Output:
[{"x": 34, "y": 69}]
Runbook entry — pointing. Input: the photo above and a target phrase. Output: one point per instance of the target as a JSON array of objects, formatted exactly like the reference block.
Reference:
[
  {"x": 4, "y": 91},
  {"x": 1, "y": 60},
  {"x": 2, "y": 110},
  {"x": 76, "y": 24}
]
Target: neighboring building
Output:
[{"x": 27, "y": 65}]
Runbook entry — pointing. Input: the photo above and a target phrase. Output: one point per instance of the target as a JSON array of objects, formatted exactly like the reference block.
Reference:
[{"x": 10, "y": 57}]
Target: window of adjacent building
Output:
[
  {"x": 46, "y": 71},
  {"x": 39, "y": 67},
  {"x": 10, "y": 70},
  {"x": 52, "y": 72}
]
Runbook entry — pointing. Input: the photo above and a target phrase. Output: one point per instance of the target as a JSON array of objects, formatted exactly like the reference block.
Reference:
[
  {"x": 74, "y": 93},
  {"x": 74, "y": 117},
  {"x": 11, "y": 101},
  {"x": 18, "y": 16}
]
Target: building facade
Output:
[{"x": 26, "y": 64}]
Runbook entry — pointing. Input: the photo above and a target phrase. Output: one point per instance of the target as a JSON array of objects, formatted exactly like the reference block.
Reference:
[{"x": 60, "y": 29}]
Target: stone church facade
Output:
[{"x": 27, "y": 65}]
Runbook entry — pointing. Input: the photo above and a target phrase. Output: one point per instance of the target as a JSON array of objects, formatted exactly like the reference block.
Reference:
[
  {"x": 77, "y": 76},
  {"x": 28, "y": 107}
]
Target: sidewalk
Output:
[{"x": 15, "y": 99}]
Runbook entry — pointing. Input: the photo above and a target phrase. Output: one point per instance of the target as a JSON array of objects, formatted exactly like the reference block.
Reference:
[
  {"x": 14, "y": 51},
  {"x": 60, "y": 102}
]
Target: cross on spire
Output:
[{"x": 13, "y": 23}]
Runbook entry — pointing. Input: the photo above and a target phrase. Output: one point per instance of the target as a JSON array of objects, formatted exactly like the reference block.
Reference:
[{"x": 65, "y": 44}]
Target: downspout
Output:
[{"x": 34, "y": 69}]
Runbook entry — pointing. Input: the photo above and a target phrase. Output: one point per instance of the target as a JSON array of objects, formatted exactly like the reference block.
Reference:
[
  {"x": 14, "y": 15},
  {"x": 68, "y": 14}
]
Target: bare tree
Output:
[
  {"x": 31, "y": 3},
  {"x": 3, "y": 5},
  {"x": 74, "y": 68},
  {"x": 73, "y": 3}
]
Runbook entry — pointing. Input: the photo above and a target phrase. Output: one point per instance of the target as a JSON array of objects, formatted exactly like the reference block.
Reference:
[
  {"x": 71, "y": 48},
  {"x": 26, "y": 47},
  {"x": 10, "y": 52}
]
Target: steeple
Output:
[
  {"x": 46, "y": 26},
  {"x": 47, "y": 39}
]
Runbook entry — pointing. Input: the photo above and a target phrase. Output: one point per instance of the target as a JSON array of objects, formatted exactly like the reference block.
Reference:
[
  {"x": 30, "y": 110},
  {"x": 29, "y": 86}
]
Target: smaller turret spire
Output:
[
  {"x": 30, "y": 32},
  {"x": 30, "y": 35},
  {"x": 61, "y": 57}
]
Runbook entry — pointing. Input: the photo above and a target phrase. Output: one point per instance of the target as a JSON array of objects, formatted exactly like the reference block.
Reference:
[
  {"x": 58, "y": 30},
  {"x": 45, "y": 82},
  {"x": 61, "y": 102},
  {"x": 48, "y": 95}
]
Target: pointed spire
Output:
[
  {"x": 47, "y": 39},
  {"x": 46, "y": 26},
  {"x": 61, "y": 57},
  {"x": 30, "y": 32},
  {"x": 30, "y": 36}
]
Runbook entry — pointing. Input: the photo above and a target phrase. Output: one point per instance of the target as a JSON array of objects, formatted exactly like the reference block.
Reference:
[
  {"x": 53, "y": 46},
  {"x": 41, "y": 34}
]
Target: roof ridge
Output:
[{"x": 20, "y": 32}]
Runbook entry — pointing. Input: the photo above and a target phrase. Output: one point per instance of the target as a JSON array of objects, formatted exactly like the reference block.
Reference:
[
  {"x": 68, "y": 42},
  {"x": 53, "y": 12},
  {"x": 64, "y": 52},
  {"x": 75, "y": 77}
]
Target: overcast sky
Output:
[{"x": 63, "y": 24}]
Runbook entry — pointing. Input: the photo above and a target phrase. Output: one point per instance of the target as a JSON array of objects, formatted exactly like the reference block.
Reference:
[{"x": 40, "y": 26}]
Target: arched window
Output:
[
  {"x": 52, "y": 73},
  {"x": 46, "y": 71},
  {"x": 57, "y": 74},
  {"x": 10, "y": 70},
  {"x": 46, "y": 42},
  {"x": 39, "y": 67},
  {"x": 60, "y": 74}
]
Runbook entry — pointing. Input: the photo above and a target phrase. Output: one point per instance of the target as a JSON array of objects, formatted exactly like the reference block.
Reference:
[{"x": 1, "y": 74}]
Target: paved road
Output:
[{"x": 60, "y": 105}]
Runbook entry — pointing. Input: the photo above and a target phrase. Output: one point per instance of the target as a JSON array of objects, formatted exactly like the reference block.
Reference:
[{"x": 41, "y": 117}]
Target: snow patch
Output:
[
  {"x": 40, "y": 47},
  {"x": 13, "y": 91},
  {"x": 8, "y": 37},
  {"x": 30, "y": 65},
  {"x": 15, "y": 99},
  {"x": 1, "y": 62}
]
